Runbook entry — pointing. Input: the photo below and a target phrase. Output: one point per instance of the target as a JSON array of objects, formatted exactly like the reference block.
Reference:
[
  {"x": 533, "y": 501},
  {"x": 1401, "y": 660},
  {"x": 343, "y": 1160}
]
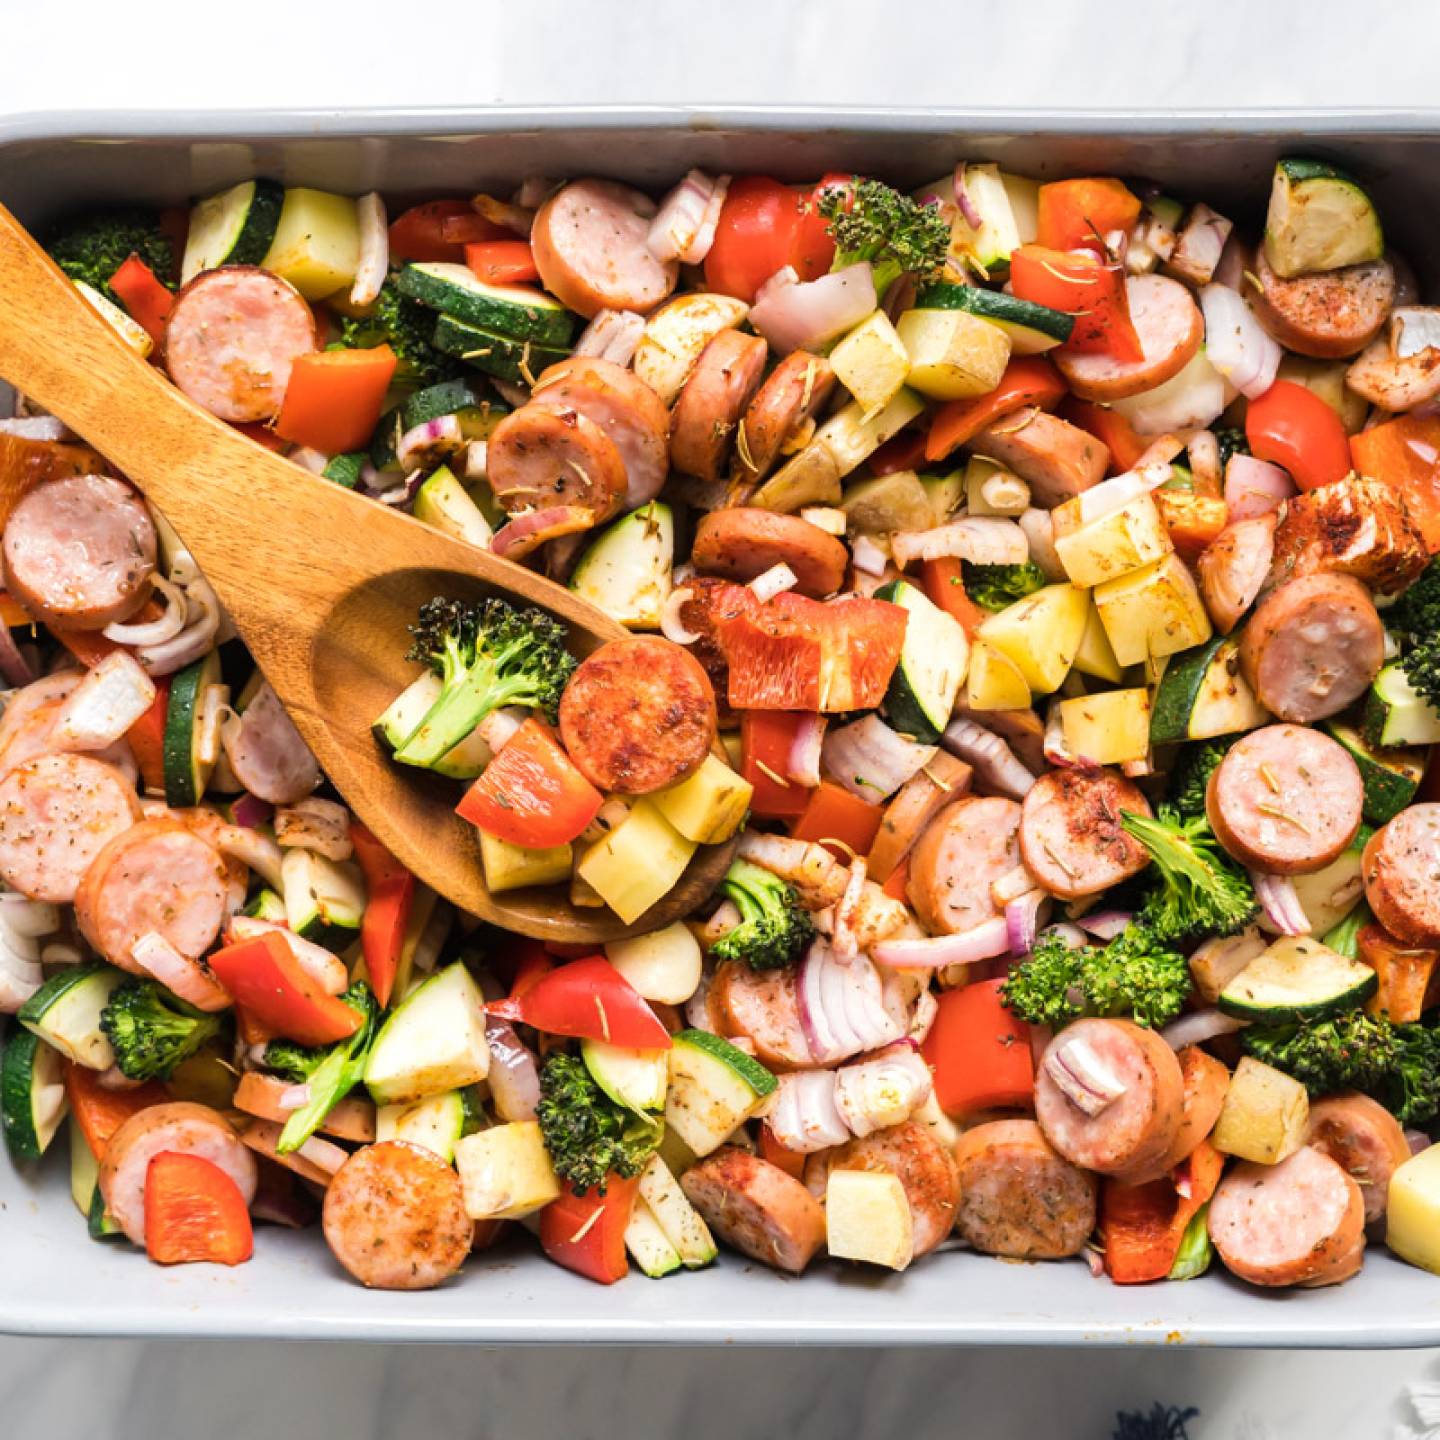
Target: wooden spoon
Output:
[{"x": 320, "y": 582}]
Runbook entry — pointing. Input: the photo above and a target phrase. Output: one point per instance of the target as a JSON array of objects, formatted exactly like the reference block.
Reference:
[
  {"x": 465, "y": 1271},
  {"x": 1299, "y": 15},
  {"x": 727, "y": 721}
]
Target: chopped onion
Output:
[
  {"x": 477, "y": 460},
  {"x": 498, "y": 728},
  {"x": 1082, "y": 1076},
  {"x": 803, "y": 763},
  {"x": 1198, "y": 1027},
  {"x": 871, "y": 760},
  {"x": 326, "y": 969},
  {"x": 1105, "y": 924},
  {"x": 253, "y": 848},
  {"x": 792, "y": 315},
  {"x": 514, "y": 1078},
  {"x": 1014, "y": 883},
  {"x": 979, "y": 539},
  {"x": 325, "y": 1154},
  {"x": 826, "y": 518},
  {"x": 867, "y": 556},
  {"x": 314, "y": 824},
  {"x": 1022, "y": 919},
  {"x": 294, "y": 1097},
  {"x": 697, "y": 1007},
  {"x": 775, "y": 581},
  {"x": 678, "y": 223},
  {"x": 1072, "y": 935},
  {"x": 1254, "y": 487},
  {"x": 25, "y": 917},
  {"x": 994, "y": 761},
  {"x": 1204, "y": 451},
  {"x": 612, "y": 335},
  {"x": 48, "y": 428},
  {"x": 19, "y": 979},
  {"x": 845, "y": 942},
  {"x": 986, "y": 941},
  {"x": 423, "y": 445},
  {"x": 1236, "y": 343},
  {"x": 197, "y": 639},
  {"x": 179, "y": 973},
  {"x": 805, "y": 1118},
  {"x": 704, "y": 239},
  {"x": 152, "y": 632},
  {"x": 1038, "y": 527},
  {"x": 308, "y": 460},
  {"x": 250, "y": 811},
  {"x": 963, "y": 201},
  {"x": 374, "y": 263},
  {"x": 1417, "y": 1140},
  {"x": 1057, "y": 750},
  {"x": 671, "y": 625},
  {"x": 1277, "y": 897},
  {"x": 881, "y": 1092},
  {"x": 111, "y": 697},
  {"x": 527, "y": 532},
  {"x": 842, "y": 1010}
]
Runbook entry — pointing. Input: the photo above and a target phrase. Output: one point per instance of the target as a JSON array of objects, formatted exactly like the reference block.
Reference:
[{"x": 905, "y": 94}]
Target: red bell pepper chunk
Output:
[
  {"x": 980, "y": 1052},
  {"x": 1028, "y": 380},
  {"x": 147, "y": 737},
  {"x": 766, "y": 739},
  {"x": 194, "y": 1212},
  {"x": 439, "y": 230},
  {"x": 334, "y": 398},
  {"x": 588, "y": 1000},
  {"x": 501, "y": 262},
  {"x": 844, "y": 823},
  {"x": 943, "y": 581},
  {"x": 1075, "y": 213},
  {"x": 905, "y": 451},
  {"x": 145, "y": 299},
  {"x": 1292, "y": 426},
  {"x": 1082, "y": 285},
  {"x": 270, "y": 988},
  {"x": 586, "y": 1233},
  {"x": 1142, "y": 1226},
  {"x": 389, "y": 898},
  {"x": 99, "y": 1111}
]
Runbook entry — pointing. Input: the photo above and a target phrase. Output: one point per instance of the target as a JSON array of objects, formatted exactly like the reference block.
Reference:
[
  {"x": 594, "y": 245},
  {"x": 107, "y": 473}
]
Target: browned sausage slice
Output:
[
  {"x": 231, "y": 339},
  {"x": 965, "y": 849},
  {"x": 1133, "y": 1135},
  {"x": 638, "y": 715},
  {"x": 757, "y": 1208},
  {"x": 30, "y": 715},
  {"x": 395, "y": 1218},
  {"x": 1170, "y": 328},
  {"x": 1400, "y": 863},
  {"x": 795, "y": 390},
  {"x": 1286, "y": 800},
  {"x": 1295, "y": 1223},
  {"x": 57, "y": 814},
  {"x": 761, "y": 1006},
  {"x": 80, "y": 553},
  {"x": 942, "y": 781},
  {"x": 1365, "y": 1140},
  {"x": 1071, "y": 838},
  {"x": 1206, "y": 1082},
  {"x": 1018, "y": 1198},
  {"x": 268, "y": 754},
  {"x": 702, "y": 424},
  {"x": 589, "y": 245},
  {"x": 547, "y": 454},
  {"x": 1056, "y": 459},
  {"x": 1391, "y": 381},
  {"x": 1312, "y": 647},
  {"x": 743, "y": 542},
  {"x": 1233, "y": 568},
  {"x": 1327, "y": 314}
]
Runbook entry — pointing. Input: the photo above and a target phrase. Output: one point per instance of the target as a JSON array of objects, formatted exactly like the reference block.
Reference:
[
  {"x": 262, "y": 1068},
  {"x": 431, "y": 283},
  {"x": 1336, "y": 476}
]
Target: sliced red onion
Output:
[
  {"x": 772, "y": 582},
  {"x": 514, "y": 1079},
  {"x": 177, "y": 972},
  {"x": 113, "y": 695},
  {"x": 871, "y": 760},
  {"x": 1237, "y": 344},
  {"x": 1277, "y": 897},
  {"x": 880, "y": 1092},
  {"x": 1200, "y": 245},
  {"x": 963, "y": 201},
  {"x": 704, "y": 239},
  {"x": 994, "y": 761},
  {"x": 267, "y": 753},
  {"x": 677, "y": 226},
  {"x": 250, "y": 812},
  {"x": 192, "y": 643},
  {"x": 498, "y": 728},
  {"x": 1105, "y": 924},
  {"x": 845, "y": 942},
  {"x": 315, "y": 824},
  {"x": 20, "y": 978},
  {"x": 803, "y": 764},
  {"x": 1071, "y": 934},
  {"x": 374, "y": 262},
  {"x": 1417, "y": 1140},
  {"x": 1022, "y": 919},
  {"x": 805, "y": 1118},
  {"x": 430, "y": 442},
  {"x": 979, "y": 539},
  {"x": 796, "y": 315},
  {"x": 49, "y": 428},
  {"x": 326, "y": 969},
  {"x": 1082, "y": 1076},
  {"x": 1198, "y": 1027},
  {"x": 526, "y": 532},
  {"x": 612, "y": 335},
  {"x": 986, "y": 941},
  {"x": 842, "y": 1009},
  {"x": 867, "y": 556},
  {"x": 310, "y": 460},
  {"x": 1254, "y": 487},
  {"x": 152, "y": 632},
  {"x": 294, "y": 1097}
]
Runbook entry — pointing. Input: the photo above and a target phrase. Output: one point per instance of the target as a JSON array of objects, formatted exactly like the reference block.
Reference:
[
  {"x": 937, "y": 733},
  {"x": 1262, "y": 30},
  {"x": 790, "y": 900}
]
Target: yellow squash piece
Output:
[
  {"x": 953, "y": 355},
  {"x": 1153, "y": 611},
  {"x": 512, "y": 867},
  {"x": 506, "y": 1171},
  {"x": 317, "y": 243},
  {"x": 638, "y": 862},
  {"x": 1109, "y": 728},
  {"x": 1041, "y": 634}
]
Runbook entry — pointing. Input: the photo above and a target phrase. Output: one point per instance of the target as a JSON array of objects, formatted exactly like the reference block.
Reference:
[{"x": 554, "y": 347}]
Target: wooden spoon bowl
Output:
[{"x": 320, "y": 583}]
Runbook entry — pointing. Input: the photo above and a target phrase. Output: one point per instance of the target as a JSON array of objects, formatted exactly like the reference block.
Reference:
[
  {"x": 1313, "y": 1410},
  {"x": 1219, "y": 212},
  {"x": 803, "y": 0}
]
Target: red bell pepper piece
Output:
[
  {"x": 334, "y": 398},
  {"x": 1028, "y": 380},
  {"x": 194, "y": 1212},
  {"x": 1077, "y": 213},
  {"x": 147, "y": 737},
  {"x": 766, "y": 739},
  {"x": 269, "y": 986},
  {"x": 100, "y": 1112},
  {"x": 1403, "y": 453},
  {"x": 833, "y": 814},
  {"x": 792, "y": 1162},
  {"x": 753, "y": 237},
  {"x": 1142, "y": 1226},
  {"x": 980, "y": 1052},
  {"x": 586, "y": 1233},
  {"x": 589, "y": 1000},
  {"x": 501, "y": 262},
  {"x": 1082, "y": 285},
  {"x": 894, "y": 887},
  {"x": 905, "y": 451},
  {"x": 1292, "y": 426},
  {"x": 439, "y": 230},
  {"x": 389, "y": 898},
  {"x": 944, "y": 583},
  {"x": 145, "y": 299}
]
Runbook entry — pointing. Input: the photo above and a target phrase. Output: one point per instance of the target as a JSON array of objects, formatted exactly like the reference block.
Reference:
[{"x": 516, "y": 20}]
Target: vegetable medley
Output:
[{"x": 1033, "y": 581}]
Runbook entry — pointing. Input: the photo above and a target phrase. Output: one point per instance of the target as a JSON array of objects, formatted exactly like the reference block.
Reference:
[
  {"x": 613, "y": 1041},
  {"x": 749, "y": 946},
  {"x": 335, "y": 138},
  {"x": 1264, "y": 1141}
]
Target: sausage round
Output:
[
  {"x": 1285, "y": 799},
  {"x": 233, "y": 336},
  {"x": 762, "y": 1006},
  {"x": 1170, "y": 328},
  {"x": 1300, "y": 1222},
  {"x": 1132, "y": 1137},
  {"x": 1400, "y": 863},
  {"x": 268, "y": 754},
  {"x": 58, "y": 813},
  {"x": 589, "y": 243},
  {"x": 917, "y": 802},
  {"x": 1312, "y": 647},
  {"x": 30, "y": 715},
  {"x": 1056, "y": 459},
  {"x": 1365, "y": 1140},
  {"x": 796, "y": 389},
  {"x": 1328, "y": 314},
  {"x": 1233, "y": 568},
  {"x": 912, "y": 1154},
  {"x": 964, "y": 850},
  {"x": 547, "y": 454},
  {"x": 1206, "y": 1081},
  {"x": 1391, "y": 381},
  {"x": 156, "y": 876},
  {"x": 80, "y": 553},
  {"x": 178, "y": 1126},
  {"x": 1018, "y": 1198},
  {"x": 756, "y": 1208},
  {"x": 743, "y": 542},
  {"x": 1071, "y": 838},
  {"x": 702, "y": 424},
  {"x": 394, "y": 1217},
  {"x": 638, "y": 715}
]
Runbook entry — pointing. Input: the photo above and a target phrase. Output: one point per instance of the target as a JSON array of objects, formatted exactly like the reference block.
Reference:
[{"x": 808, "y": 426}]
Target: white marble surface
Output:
[{"x": 1225, "y": 54}]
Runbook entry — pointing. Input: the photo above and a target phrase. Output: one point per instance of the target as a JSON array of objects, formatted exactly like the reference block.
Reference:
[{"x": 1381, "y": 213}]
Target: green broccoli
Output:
[
  {"x": 1191, "y": 773},
  {"x": 337, "y": 1073},
  {"x": 151, "y": 1030},
  {"x": 405, "y": 325},
  {"x": 993, "y": 587},
  {"x": 93, "y": 247},
  {"x": 588, "y": 1135},
  {"x": 896, "y": 234},
  {"x": 1415, "y": 618},
  {"x": 1232, "y": 441},
  {"x": 295, "y": 1063},
  {"x": 1195, "y": 890},
  {"x": 488, "y": 654},
  {"x": 774, "y": 928}
]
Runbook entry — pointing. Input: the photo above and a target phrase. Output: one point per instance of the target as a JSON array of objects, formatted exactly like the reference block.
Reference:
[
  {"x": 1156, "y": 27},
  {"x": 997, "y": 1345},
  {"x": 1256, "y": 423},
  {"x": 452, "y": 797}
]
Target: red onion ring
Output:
[
  {"x": 986, "y": 941},
  {"x": 803, "y": 764},
  {"x": 1277, "y": 897}
]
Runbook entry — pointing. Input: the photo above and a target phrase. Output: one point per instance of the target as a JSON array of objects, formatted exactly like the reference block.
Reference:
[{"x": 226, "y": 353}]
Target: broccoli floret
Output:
[
  {"x": 295, "y": 1063},
  {"x": 993, "y": 587},
  {"x": 94, "y": 247},
  {"x": 1231, "y": 440},
  {"x": 405, "y": 326},
  {"x": 151, "y": 1030},
  {"x": 488, "y": 655},
  {"x": 336, "y": 1072},
  {"x": 774, "y": 928},
  {"x": 588, "y": 1135},
  {"x": 1191, "y": 773},
  {"x": 896, "y": 234},
  {"x": 1415, "y": 617},
  {"x": 1195, "y": 890}
]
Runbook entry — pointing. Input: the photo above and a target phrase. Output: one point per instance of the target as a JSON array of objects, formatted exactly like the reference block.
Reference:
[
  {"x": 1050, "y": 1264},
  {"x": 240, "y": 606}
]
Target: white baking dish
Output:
[{"x": 53, "y": 1279}]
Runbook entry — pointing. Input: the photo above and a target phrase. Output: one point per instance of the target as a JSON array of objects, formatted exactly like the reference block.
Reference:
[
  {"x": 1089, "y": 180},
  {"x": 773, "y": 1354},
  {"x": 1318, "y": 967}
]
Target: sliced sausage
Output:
[
  {"x": 1327, "y": 314},
  {"x": 1400, "y": 863},
  {"x": 24, "y": 464},
  {"x": 965, "y": 849},
  {"x": 1133, "y": 1136},
  {"x": 795, "y": 391},
  {"x": 182, "y": 1128},
  {"x": 30, "y": 715},
  {"x": 268, "y": 754},
  {"x": 702, "y": 424},
  {"x": 80, "y": 553},
  {"x": 1285, "y": 799},
  {"x": 1071, "y": 838},
  {"x": 1365, "y": 1140},
  {"x": 589, "y": 246},
  {"x": 942, "y": 781},
  {"x": 395, "y": 1218},
  {"x": 233, "y": 336},
  {"x": 743, "y": 542},
  {"x": 1170, "y": 328},
  {"x": 544, "y": 455},
  {"x": 1056, "y": 459},
  {"x": 1301, "y": 1222},
  {"x": 1206, "y": 1081},
  {"x": 912, "y": 1154},
  {"x": 1312, "y": 647},
  {"x": 762, "y": 1006},
  {"x": 156, "y": 876},
  {"x": 263, "y": 1137},
  {"x": 1395, "y": 381},
  {"x": 58, "y": 813},
  {"x": 638, "y": 715},
  {"x": 629, "y": 412},
  {"x": 1233, "y": 568},
  {"x": 1018, "y": 1198},
  {"x": 756, "y": 1208}
]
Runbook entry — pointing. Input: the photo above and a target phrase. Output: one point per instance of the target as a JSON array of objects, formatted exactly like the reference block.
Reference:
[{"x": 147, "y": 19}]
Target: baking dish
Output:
[{"x": 55, "y": 1280}]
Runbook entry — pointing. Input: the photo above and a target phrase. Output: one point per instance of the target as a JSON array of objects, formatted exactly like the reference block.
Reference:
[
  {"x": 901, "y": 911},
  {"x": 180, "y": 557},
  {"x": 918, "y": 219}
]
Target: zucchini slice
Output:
[
  {"x": 32, "y": 1094},
  {"x": 443, "y": 504},
  {"x": 65, "y": 1013},
  {"x": 1390, "y": 777},
  {"x": 186, "y": 774},
  {"x": 518, "y": 360},
  {"x": 1032, "y": 328},
  {"x": 1397, "y": 714},
  {"x": 1202, "y": 694},
  {"x": 932, "y": 665},
  {"x": 1297, "y": 978},
  {"x": 512, "y": 311},
  {"x": 625, "y": 570},
  {"x": 477, "y": 413},
  {"x": 235, "y": 227},
  {"x": 345, "y": 470},
  {"x": 1319, "y": 218},
  {"x": 324, "y": 899}
]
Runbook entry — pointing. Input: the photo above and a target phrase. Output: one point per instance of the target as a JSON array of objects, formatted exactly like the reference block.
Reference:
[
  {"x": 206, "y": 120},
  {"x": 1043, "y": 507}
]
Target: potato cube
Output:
[
  {"x": 896, "y": 501},
  {"x": 953, "y": 355},
  {"x": 994, "y": 681},
  {"x": 1095, "y": 657},
  {"x": 1265, "y": 1114},
  {"x": 317, "y": 243},
  {"x": 708, "y": 806},
  {"x": 1412, "y": 1215},
  {"x": 1153, "y": 611},
  {"x": 506, "y": 1171},
  {"x": 511, "y": 867},
  {"x": 637, "y": 862},
  {"x": 867, "y": 1217},
  {"x": 1115, "y": 544},
  {"x": 1041, "y": 634},
  {"x": 871, "y": 362},
  {"x": 1109, "y": 728}
]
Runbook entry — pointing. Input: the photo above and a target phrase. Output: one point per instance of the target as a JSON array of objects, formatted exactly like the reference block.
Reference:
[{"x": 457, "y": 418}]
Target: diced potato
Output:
[
  {"x": 991, "y": 489},
  {"x": 1115, "y": 544},
  {"x": 852, "y": 435},
  {"x": 1155, "y": 610},
  {"x": 954, "y": 355},
  {"x": 871, "y": 362},
  {"x": 1216, "y": 962},
  {"x": 708, "y": 806},
  {"x": 867, "y": 1217},
  {"x": 134, "y": 335},
  {"x": 317, "y": 243},
  {"x": 1412, "y": 1214},
  {"x": 664, "y": 965},
  {"x": 637, "y": 862},
  {"x": 734, "y": 744},
  {"x": 1041, "y": 634},
  {"x": 506, "y": 1171},
  {"x": 1327, "y": 896},
  {"x": 945, "y": 493},
  {"x": 810, "y": 478},
  {"x": 1265, "y": 1114},
  {"x": 896, "y": 501},
  {"x": 675, "y": 335},
  {"x": 511, "y": 867},
  {"x": 1095, "y": 657},
  {"x": 1109, "y": 728},
  {"x": 994, "y": 681}
]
